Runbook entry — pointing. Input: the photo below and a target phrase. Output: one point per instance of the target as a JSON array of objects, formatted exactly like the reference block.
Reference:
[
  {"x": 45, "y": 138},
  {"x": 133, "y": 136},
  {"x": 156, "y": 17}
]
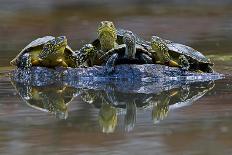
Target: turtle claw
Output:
[
  {"x": 110, "y": 64},
  {"x": 210, "y": 70},
  {"x": 146, "y": 59},
  {"x": 184, "y": 68}
]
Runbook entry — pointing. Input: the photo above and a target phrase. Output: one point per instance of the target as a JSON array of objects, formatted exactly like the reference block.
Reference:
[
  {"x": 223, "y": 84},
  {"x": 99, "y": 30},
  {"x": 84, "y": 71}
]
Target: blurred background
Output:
[{"x": 205, "y": 25}]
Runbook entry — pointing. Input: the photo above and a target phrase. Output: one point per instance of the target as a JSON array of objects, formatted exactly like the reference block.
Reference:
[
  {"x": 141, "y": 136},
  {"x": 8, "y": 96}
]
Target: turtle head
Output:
[
  {"x": 157, "y": 44},
  {"x": 84, "y": 54},
  {"x": 23, "y": 61},
  {"x": 107, "y": 28},
  {"x": 88, "y": 50},
  {"x": 129, "y": 40},
  {"x": 54, "y": 46},
  {"x": 107, "y": 35},
  {"x": 60, "y": 42}
]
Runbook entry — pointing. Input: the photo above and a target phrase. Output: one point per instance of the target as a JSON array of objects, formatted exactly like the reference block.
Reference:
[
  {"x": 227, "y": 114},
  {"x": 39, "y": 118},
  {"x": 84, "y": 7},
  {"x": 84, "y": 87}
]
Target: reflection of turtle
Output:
[
  {"x": 47, "y": 51},
  {"x": 177, "y": 97},
  {"x": 161, "y": 102},
  {"x": 88, "y": 96},
  {"x": 52, "y": 99},
  {"x": 178, "y": 55},
  {"x": 107, "y": 117},
  {"x": 130, "y": 117},
  {"x": 129, "y": 52},
  {"x": 160, "y": 108}
]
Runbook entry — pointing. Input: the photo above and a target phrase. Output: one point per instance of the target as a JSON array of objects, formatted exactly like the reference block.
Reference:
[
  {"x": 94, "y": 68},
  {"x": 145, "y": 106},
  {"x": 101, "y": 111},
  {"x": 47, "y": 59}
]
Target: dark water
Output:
[{"x": 139, "y": 124}]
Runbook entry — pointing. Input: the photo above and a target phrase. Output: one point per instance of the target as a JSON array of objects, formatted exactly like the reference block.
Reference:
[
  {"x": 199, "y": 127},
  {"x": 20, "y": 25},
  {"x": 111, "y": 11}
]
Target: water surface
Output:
[{"x": 203, "y": 127}]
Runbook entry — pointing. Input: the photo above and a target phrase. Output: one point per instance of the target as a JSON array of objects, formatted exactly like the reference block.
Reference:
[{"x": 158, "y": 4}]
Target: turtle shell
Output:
[
  {"x": 35, "y": 43},
  {"x": 121, "y": 51},
  {"x": 187, "y": 51}
]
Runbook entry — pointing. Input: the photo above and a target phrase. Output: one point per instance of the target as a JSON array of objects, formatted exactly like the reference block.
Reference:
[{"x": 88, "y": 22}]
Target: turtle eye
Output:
[
  {"x": 102, "y": 24},
  {"x": 111, "y": 24}
]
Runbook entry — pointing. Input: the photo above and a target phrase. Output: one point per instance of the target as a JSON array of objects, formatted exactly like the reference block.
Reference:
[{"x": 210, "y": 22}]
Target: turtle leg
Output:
[
  {"x": 167, "y": 60},
  {"x": 155, "y": 57},
  {"x": 209, "y": 69},
  {"x": 25, "y": 61},
  {"x": 184, "y": 63},
  {"x": 172, "y": 63},
  {"x": 61, "y": 63},
  {"x": 145, "y": 58},
  {"x": 35, "y": 62},
  {"x": 199, "y": 71},
  {"x": 110, "y": 64}
]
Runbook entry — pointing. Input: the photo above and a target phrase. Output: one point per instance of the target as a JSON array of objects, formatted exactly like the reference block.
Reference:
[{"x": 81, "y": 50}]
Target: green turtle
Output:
[
  {"x": 47, "y": 51},
  {"x": 128, "y": 53},
  {"x": 109, "y": 38},
  {"x": 178, "y": 55}
]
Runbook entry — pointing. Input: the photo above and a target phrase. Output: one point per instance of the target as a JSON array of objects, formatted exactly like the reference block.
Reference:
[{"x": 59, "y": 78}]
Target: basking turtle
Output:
[
  {"x": 109, "y": 38},
  {"x": 47, "y": 51},
  {"x": 82, "y": 57},
  {"x": 129, "y": 52},
  {"x": 178, "y": 55}
]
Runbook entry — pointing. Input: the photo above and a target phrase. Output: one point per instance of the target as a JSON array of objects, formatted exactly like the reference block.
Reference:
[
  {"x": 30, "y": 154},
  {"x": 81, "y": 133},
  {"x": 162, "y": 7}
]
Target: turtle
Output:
[
  {"x": 80, "y": 58},
  {"x": 47, "y": 51},
  {"x": 109, "y": 38},
  {"x": 178, "y": 55},
  {"x": 128, "y": 53}
]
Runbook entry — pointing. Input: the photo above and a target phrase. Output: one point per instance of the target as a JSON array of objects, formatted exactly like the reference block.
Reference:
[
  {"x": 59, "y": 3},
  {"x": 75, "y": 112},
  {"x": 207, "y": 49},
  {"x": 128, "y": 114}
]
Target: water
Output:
[{"x": 202, "y": 127}]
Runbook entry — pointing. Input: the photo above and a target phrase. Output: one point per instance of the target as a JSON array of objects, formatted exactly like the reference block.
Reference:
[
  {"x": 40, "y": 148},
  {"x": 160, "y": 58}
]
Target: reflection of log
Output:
[{"x": 131, "y": 73}]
